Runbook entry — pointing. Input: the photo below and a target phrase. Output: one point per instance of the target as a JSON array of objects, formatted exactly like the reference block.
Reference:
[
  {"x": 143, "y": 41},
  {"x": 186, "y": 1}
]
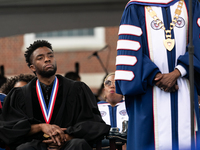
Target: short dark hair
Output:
[
  {"x": 33, "y": 47},
  {"x": 72, "y": 75}
]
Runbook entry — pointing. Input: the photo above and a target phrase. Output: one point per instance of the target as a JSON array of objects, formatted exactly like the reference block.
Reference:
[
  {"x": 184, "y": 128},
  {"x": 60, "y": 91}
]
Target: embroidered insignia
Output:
[
  {"x": 180, "y": 22},
  {"x": 123, "y": 112},
  {"x": 155, "y": 26},
  {"x": 198, "y": 22},
  {"x": 103, "y": 113}
]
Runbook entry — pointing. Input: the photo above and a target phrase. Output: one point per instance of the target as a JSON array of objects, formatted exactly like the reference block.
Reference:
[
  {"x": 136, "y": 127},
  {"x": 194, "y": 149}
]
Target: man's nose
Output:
[{"x": 47, "y": 59}]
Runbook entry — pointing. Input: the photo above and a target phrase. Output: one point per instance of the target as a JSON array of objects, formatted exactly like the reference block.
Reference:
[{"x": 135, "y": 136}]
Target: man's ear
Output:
[{"x": 32, "y": 67}]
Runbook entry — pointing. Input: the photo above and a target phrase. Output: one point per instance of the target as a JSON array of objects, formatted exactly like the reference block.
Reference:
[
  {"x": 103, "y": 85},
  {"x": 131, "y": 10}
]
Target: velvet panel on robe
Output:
[{"x": 157, "y": 119}]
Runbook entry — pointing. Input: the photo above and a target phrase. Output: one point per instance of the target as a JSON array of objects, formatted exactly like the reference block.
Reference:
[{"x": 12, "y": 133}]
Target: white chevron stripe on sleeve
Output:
[
  {"x": 130, "y": 30},
  {"x": 126, "y": 60},
  {"x": 128, "y": 45},
  {"x": 124, "y": 75}
]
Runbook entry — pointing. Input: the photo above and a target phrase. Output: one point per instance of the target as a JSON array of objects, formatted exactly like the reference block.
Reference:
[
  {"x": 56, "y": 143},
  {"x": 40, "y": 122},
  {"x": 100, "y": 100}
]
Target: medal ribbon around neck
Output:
[
  {"x": 168, "y": 42},
  {"x": 47, "y": 112}
]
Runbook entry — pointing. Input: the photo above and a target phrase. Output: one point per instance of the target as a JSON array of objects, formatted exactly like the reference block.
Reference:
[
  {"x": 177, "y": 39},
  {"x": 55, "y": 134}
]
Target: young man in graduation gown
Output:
[
  {"x": 152, "y": 71},
  {"x": 51, "y": 112}
]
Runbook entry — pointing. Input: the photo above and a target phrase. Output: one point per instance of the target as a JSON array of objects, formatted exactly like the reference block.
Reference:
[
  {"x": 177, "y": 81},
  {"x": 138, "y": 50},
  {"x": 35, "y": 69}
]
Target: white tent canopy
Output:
[{"x": 26, "y": 16}]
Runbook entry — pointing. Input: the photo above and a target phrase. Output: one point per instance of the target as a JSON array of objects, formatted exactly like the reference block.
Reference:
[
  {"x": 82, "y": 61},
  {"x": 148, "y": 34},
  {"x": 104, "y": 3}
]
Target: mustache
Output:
[{"x": 48, "y": 65}]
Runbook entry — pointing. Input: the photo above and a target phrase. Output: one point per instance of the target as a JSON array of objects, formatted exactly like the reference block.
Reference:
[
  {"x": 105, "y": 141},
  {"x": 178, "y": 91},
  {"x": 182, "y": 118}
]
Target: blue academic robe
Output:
[
  {"x": 157, "y": 119},
  {"x": 113, "y": 116}
]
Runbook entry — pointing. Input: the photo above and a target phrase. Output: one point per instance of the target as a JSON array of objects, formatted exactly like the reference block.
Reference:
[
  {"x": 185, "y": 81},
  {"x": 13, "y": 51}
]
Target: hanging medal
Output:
[
  {"x": 168, "y": 42},
  {"x": 47, "y": 111}
]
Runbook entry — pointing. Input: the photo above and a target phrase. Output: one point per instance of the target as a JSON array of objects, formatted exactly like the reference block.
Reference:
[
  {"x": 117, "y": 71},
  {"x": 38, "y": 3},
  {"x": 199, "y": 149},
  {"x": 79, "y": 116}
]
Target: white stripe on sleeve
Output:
[
  {"x": 126, "y": 60},
  {"x": 124, "y": 75},
  {"x": 130, "y": 30},
  {"x": 128, "y": 45}
]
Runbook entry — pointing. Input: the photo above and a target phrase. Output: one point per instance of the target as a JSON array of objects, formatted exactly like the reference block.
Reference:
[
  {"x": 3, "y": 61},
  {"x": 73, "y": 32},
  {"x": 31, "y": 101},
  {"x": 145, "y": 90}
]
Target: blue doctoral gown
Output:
[{"x": 157, "y": 119}]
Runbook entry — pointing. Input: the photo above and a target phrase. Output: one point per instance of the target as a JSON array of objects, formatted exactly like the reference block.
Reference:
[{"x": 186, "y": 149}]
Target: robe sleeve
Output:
[
  {"x": 134, "y": 70},
  {"x": 14, "y": 123},
  {"x": 87, "y": 121},
  {"x": 183, "y": 60}
]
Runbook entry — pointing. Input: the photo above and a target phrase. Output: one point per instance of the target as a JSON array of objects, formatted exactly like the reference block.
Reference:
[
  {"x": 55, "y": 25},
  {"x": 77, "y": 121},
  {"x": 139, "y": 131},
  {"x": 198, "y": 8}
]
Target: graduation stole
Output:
[
  {"x": 168, "y": 42},
  {"x": 47, "y": 111}
]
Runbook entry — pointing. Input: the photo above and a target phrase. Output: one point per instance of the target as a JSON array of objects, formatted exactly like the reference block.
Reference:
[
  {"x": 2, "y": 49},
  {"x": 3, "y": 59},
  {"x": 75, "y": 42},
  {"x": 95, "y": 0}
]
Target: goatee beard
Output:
[{"x": 48, "y": 74}]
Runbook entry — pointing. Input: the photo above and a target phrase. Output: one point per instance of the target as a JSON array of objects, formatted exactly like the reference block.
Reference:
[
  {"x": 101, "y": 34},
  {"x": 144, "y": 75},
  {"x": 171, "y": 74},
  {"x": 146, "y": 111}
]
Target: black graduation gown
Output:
[{"x": 75, "y": 109}]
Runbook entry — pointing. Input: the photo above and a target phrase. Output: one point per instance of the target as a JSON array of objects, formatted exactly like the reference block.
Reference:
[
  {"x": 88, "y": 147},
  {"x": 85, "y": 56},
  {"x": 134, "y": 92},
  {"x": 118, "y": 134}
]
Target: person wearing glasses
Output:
[{"x": 113, "y": 109}]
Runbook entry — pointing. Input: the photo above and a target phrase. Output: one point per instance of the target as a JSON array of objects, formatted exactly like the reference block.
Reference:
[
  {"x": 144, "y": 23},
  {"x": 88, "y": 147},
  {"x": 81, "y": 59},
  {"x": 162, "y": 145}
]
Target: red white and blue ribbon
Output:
[{"x": 47, "y": 111}]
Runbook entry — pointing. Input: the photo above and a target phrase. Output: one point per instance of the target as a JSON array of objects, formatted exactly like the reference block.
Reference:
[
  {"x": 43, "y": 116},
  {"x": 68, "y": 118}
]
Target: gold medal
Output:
[{"x": 169, "y": 44}]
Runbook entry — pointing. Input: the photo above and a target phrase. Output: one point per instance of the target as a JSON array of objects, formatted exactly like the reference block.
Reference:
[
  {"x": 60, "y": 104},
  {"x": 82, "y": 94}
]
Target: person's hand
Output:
[
  {"x": 158, "y": 77},
  {"x": 167, "y": 82},
  {"x": 55, "y": 146},
  {"x": 55, "y": 133}
]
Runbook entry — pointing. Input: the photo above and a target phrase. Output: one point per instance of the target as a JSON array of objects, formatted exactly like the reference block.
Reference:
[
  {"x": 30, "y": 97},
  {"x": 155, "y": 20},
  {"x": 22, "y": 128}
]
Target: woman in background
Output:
[
  {"x": 113, "y": 109},
  {"x": 16, "y": 81}
]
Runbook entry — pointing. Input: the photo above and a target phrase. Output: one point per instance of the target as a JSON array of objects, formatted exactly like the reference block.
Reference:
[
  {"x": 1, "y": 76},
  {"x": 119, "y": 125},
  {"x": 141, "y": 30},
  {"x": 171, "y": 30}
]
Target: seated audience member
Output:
[
  {"x": 73, "y": 76},
  {"x": 113, "y": 109},
  {"x": 16, "y": 81},
  {"x": 51, "y": 111}
]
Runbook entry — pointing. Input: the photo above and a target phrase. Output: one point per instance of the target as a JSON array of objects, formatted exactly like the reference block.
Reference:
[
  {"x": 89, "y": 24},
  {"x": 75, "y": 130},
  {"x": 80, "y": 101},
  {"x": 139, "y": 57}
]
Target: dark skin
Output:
[
  {"x": 43, "y": 60},
  {"x": 55, "y": 146},
  {"x": 168, "y": 81}
]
